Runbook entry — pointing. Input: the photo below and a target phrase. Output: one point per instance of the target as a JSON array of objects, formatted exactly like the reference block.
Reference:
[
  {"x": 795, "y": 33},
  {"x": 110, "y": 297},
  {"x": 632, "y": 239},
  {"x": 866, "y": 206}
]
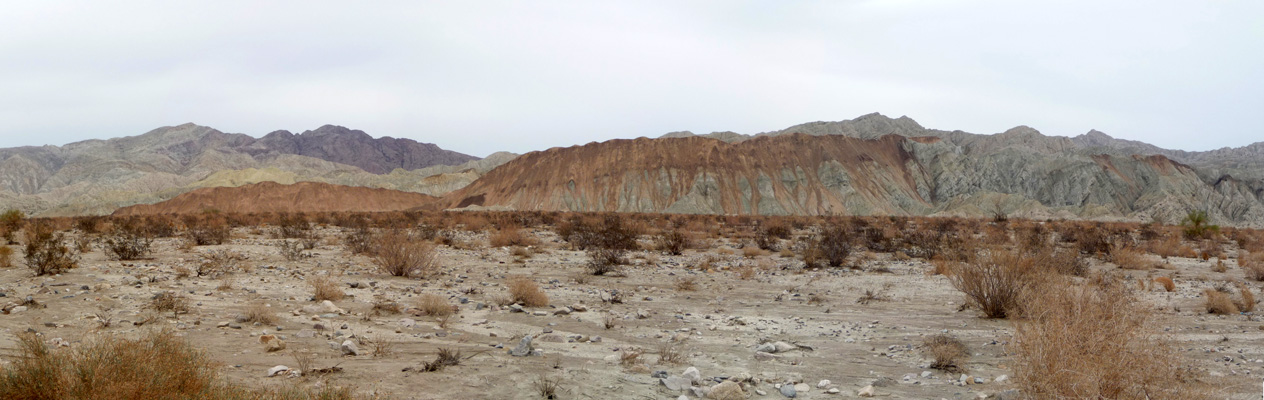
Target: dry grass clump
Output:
[
  {"x": 158, "y": 366},
  {"x": 527, "y": 293},
  {"x": 948, "y": 352},
  {"x": 445, "y": 358},
  {"x": 259, "y": 311},
  {"x": 1220, "y": 303},
  {"x": 169, "y": 301},
  {"x": 6, "y": 256},
  {"x": 1130, "y": 258},
  {"x": 398, "y": 254},
  {"x": 1166, "y": 282},
  {"x": 669, "y": 354},
  {"x": 217, "y": 262},
  {"x": 1252, "y": 265},
  {"x": 1095, "y": 341},
  {"x": 686, "y": 284},
  {"x": 1246, "y": 302},
  {"x": 435, "y": 306},
  {"x": 995, "y": 283},
  {"x": 510, "y": 237},
  {"x": 324, "y": 288}
]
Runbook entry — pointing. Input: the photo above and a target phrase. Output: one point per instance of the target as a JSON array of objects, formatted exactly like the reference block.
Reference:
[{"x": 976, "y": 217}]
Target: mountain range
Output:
[{"x": 870, "y": 165}]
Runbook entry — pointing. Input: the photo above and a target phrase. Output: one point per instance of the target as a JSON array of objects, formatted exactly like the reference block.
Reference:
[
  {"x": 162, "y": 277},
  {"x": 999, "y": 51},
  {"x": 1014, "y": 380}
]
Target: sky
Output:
[{"x": 485, "y": 76}]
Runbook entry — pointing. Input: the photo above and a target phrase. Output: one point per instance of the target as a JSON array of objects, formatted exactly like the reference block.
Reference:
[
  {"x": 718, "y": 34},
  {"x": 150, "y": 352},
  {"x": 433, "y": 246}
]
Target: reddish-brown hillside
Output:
[
  {"x": 275, "y": 197},
  {"x": 790, "y": 174}
]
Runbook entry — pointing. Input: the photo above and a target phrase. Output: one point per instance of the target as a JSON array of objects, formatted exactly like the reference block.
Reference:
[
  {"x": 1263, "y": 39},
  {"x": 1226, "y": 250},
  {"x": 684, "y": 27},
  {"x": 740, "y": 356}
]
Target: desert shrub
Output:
[
  {"x": 6, "y": 256},
  {"x": 11, "y": 221},
  {"x": 445, "y": 358},
  {"x": 527, "y": 293},
  {"x": 948, "y": 352},
  {"x": 290, "y": 250},
  {"x": 1167, "y": 283},
  {"x": 358, "y": 240},
  {"x": 995, "y": 283},
  {"x": 324, "y": 288},
  {"x": 1252, "y": 265},
  {"x": 169, "y": 301},
  {"x": 259, "y": 311},
  {"x": 609, "y": 233},
  {"x": 1246, "y": 302},
  {"x": 672, "y": 242},
  {"x": 46, "y": 250},
  {"x": 604, "y": 260},
  {"x": 435, "y": 306},
  {"x": 1095, "y": 342},
  {"x": 1219, "y": 302},
  {"x": 1196, "y": 225},
  {"x": 207, "y": 230},
  {"x": 1127, "y": 257},
  {"x": 127, "y": 242},
  {"x": 217, "y": 262},
  {"x": 292, "y": 226},
  {"x": 397, "y": 254},
  {"x": 831, "y": 247},
  {"x": 510, "y": 237},
  {"x": 686, "y": 284}
]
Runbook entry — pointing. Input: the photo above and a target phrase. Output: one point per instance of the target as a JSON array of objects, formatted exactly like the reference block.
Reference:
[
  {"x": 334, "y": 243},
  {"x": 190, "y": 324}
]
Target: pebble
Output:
[
  {"x": 523, "y": 349},
  {"x": 788, "y": 391},
  {"x": 349, "y": 348},
  {"x": 867, "y": 391}
]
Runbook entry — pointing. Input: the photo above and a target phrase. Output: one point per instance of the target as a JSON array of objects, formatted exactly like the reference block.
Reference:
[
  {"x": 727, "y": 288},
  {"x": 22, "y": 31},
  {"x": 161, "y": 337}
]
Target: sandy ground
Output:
[{"x": 717, "y": 327}]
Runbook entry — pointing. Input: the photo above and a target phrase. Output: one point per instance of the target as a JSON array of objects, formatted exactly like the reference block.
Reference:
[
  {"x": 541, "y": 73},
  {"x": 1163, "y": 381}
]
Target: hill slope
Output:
[
  {"x": 1020, "y": 171},
  {"x": 276, "y": 197}
]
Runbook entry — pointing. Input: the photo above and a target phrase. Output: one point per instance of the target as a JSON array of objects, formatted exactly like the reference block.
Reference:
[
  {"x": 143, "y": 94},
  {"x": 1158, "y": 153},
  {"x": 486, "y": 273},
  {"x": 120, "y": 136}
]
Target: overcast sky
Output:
[{"x": 481, "y": 76}]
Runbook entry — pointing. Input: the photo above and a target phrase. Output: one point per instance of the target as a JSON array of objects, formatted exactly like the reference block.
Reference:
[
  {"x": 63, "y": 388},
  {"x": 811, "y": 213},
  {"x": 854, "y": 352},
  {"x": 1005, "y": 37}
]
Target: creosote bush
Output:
[
  {"x": 127, "y": 242},
  {"x": 11, "y": 221},
  {"x": 397, "y": 254},
  {"x": 995, "y": 283},
  {"x": 6, "y": 256},
  {"x": 435, "y": 306},
  {"x": 46, "y": 250}
]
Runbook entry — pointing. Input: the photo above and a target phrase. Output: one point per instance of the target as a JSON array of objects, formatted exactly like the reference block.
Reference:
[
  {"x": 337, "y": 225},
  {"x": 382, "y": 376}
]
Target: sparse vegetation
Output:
[
  {"x": 1198, "y": 226},
  {"x": 947, "y": 352},
  {"x": 11, "y": 221},
  {"x": 995, "y": 283},
  {"x": 324, "y": 288},
  {"x": 258, "y": 311},
  {"x": 397, "y": 254},
  {"x": 46, "y": 250},
  {"x": 527, "y": 293}
]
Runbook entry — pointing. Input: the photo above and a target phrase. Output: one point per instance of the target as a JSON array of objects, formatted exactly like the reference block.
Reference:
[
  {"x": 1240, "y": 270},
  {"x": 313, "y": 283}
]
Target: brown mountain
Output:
[
  {"x": 1020, "y": 172},
  {"x": 275, "y": 197},
  {"x": 352, "y": 147}
]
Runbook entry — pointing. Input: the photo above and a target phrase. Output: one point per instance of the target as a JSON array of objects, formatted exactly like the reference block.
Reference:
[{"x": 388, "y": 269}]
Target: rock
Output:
[
  {"x": 762, "y": 356},
  {"x": 978, "y": 380},
  {"x": 407, "y": 323},
  {"x": 277, "y": 370},
  {"x": 676, "y": 383},
  {"x": 882, "y": 382},
  {"x": 867, "y": 391},
  {"x": 523, "y": 349},
  {"x": 540, "y": 313},
  {"x": 766, "y": 348},
  {"x": 833, "y": 390},
  {"x": 1001, "y": 379},
  {"x": 802, "y": 387},
  {"x": 783, "y": 347},
  {"x": 349, "y": 348},
  {"x": 595, "y": 339},
  {"x": 223, "y": 324},
  {"x": 642, "y": 314},
  {"x": 17, "y": 309},
  {"x": 926, "y": 374},
  {"x": 579, "y": 308},
  {"x": 271, "y": 343},
  {"x": 692, "y": 375},
  {"x": 788, "y": 391},
  {"x": 824, "y": 383},
  {"x": 727, "y": 390},
  {"x": 305, "y": 333},
  {"x": 329, "y": 307},
  {"x": 564, "y": 311},
  {"x": 658, "y": 374}
]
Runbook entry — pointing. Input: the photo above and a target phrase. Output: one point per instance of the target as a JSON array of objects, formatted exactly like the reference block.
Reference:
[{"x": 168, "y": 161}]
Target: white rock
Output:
[
  {"x": 867, "y": 391},
  {"x": 349, "y": 348},
  {"x": 824, "y": 383},
  {"x": 277, "y": 369},
  {"x": 692, "y": 374},
  {"x": 1001, "y": 378},
  {"x": 833, "y": 390},
  {"x": 802, "y": 388}
]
